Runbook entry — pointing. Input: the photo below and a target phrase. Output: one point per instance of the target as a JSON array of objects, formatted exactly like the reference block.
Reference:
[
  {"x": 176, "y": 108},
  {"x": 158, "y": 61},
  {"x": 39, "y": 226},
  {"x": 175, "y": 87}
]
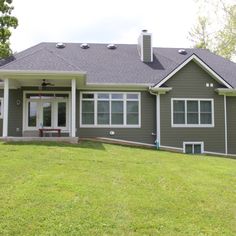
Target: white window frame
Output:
[
  {"x": 1, "y": 109},
  {"x": 54, "y": 110},
  {"x": 193, "y": 143},
  {"x": 199, "y": 113},
  {"x": 95, "y": 99}
]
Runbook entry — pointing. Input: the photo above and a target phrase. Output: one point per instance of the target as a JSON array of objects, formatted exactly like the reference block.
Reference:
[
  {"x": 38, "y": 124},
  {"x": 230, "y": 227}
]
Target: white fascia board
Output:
[
  {"x": 225, "y": 91},
  {"x": 162, "y": 90},
  {"x": 114, "y": 86},
  {"x": 39, "y": 72},
  {"x": 196, "y": 59}
]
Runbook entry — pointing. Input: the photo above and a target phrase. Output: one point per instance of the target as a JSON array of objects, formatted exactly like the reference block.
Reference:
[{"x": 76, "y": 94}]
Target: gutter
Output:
[{"x": 227, "y": 92}]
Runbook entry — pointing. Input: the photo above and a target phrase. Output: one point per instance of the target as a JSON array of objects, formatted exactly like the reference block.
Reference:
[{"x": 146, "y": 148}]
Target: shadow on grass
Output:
[{"x": 80, "y": 145}]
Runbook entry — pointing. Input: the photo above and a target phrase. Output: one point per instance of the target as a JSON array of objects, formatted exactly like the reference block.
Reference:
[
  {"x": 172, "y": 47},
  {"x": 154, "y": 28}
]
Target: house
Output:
[{"x": 178, "y": 99}]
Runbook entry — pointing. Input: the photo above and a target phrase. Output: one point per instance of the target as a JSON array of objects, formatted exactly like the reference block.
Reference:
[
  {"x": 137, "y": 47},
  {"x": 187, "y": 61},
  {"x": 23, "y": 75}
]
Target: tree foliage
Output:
[
  {"x": 221, "y": 40},
  {"x": 7, "y": 21}
]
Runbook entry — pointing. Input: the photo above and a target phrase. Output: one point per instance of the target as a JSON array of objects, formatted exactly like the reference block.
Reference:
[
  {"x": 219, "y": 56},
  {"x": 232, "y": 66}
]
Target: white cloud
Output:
[{"x": 102, "y": 21}]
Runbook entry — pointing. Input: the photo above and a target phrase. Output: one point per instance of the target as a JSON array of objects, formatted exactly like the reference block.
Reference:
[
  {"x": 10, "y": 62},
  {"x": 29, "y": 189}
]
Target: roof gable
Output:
[{"x": 202, "y": 64}]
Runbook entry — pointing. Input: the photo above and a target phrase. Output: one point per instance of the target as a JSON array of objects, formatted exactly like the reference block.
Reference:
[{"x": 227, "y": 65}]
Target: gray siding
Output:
[
  {"x": 1, "y": 120},
  {"x": 143, "y": 134},
  {"x": 190, "y": 82},
  {"x": 147, "y": 48},
  {"x": 231, "y": 124},
  {"x": 15, "y": 113}
]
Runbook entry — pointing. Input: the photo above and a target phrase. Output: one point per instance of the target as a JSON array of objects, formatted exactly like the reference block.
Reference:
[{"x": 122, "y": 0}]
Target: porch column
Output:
[
  {"x": 5, "y": 108},
  {"x": 73, "y": 108}
]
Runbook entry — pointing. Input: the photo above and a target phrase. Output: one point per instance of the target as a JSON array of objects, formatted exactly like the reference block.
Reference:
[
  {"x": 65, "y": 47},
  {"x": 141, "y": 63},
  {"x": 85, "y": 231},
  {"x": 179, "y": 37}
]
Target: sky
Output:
[{"x": 103, "y": 21}]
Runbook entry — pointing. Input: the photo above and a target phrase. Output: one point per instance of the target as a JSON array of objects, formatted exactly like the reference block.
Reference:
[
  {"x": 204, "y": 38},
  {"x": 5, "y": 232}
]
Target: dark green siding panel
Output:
[
  {"x": 190, "y": 82},
  {"x": 231, "y": 124},
  {"x": 1, "y": 120},
  {"x": 15, "y": 113},
  {"x": 143, "y": 134}
]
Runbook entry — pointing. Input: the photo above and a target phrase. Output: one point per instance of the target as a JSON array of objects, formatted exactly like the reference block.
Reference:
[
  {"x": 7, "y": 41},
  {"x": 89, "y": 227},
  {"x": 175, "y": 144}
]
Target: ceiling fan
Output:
[{"x": 45, "y": 84}]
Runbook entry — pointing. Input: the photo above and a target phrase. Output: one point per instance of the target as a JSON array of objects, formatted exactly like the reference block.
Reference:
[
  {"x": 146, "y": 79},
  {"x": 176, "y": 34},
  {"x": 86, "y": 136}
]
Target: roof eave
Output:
[
  {"x": 6, "y": 73},
  {"x": 157, "y": 90},
  {"x": 226, "y": 92}
]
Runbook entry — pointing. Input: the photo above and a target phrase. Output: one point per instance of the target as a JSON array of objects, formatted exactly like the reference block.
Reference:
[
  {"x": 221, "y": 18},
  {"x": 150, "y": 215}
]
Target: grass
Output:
[{"x": 102, "y": 189}]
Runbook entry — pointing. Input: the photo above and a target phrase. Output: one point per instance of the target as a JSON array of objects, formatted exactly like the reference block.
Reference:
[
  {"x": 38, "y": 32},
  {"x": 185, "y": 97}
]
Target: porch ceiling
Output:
[{"x": 34, "y": 79}]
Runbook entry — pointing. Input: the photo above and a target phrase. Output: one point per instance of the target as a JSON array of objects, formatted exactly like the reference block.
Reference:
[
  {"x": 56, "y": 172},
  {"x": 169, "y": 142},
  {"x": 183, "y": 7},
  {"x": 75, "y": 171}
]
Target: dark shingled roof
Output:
[{"x": 119, "y": 66}]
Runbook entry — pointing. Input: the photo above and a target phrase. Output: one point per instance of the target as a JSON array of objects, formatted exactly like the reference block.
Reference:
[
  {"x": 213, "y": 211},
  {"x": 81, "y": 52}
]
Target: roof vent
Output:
[
  {"x": 60, "y": 45},
  {"x": 182, "y": 51},
  {"x": 111, "y": 46},
  {"x": 84, "y": 46}
]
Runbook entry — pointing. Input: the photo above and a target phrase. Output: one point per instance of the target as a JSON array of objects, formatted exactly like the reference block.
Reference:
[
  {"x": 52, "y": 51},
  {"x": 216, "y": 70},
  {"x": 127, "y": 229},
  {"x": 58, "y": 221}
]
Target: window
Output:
[
  {"x": 32, "y": 114},
  {"x": 193, "y": 147},
  {"x": 103, "y": 109},
  {"x": 47, "y": 114},
  {"x": 192, "y": 113},
  {"x": 1, "y": 108},
  {"x": 61, "y": 114}
]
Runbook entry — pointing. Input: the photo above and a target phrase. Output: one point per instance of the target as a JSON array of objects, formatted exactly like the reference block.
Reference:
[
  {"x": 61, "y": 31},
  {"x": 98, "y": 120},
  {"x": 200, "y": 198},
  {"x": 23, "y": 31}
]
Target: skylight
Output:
[
  {"x": 84, "y": 46},
  {"x": 60, "y": 45},
  {"x": 111, "y": 46}
]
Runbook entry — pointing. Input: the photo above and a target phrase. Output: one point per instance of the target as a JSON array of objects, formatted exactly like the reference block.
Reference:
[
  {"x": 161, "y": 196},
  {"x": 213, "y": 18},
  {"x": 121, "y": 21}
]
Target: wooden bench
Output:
[{"x": 49, "y": 130}]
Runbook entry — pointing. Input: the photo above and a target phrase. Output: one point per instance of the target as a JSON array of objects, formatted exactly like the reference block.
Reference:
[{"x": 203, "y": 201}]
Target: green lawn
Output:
[{"x": 102, "y": 189}]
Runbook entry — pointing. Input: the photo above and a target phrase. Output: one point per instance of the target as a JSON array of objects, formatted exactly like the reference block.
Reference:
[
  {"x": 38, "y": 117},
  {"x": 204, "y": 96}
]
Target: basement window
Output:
[{"x": 193, "y": 147}]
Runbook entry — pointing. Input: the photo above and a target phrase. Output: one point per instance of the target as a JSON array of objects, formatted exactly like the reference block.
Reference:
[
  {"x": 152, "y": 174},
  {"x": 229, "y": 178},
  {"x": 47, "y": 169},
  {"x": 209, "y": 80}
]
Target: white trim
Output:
[
  {"x": 73, "y": 108},
  {"x": 193, "y": 143},
  {"x": 1, "y": 108},
  {"x": 226, "y": 127},
  {"x": 200, "y": 63},
  {"x": 125, "y": 141},
  {"x": 5, "y": 108},
  {"x": 169, "y": 147},
  {"x": 25, "y": 110},
  {"x": 227, "y": 92},
  {"x": 120, "y": 85},
  {"x": 40, "y": 72},
  {"x": 160, "y": 90},
  {"x": 220, "y": 154},
  {"x": 192, "y": 125},
  {"x": 124, "y": 99},
  {"x": 158, "y": 121}
]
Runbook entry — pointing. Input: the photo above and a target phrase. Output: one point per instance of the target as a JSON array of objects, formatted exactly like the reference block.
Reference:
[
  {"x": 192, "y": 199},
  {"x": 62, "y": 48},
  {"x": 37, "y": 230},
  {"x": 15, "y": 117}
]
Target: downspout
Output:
[
  {"x": 157, "y": 141},
  {"x": 226, "y": 127},
  {"x": 158, "y": 134}
]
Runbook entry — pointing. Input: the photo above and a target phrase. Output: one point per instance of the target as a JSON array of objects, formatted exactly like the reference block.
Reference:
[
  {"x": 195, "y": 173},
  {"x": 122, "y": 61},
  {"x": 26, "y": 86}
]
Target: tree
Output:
[
  {"x": 6, "y": 23},
  {"x": 221, "y": 40},
  {"x": 199, "y": 35},
  {"x": 226, "y": 46}
]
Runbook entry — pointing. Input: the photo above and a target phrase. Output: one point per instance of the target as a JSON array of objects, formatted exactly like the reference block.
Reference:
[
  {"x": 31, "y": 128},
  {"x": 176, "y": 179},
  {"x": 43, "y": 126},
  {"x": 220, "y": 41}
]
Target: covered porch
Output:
[{"x": 31, "y": 101}]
